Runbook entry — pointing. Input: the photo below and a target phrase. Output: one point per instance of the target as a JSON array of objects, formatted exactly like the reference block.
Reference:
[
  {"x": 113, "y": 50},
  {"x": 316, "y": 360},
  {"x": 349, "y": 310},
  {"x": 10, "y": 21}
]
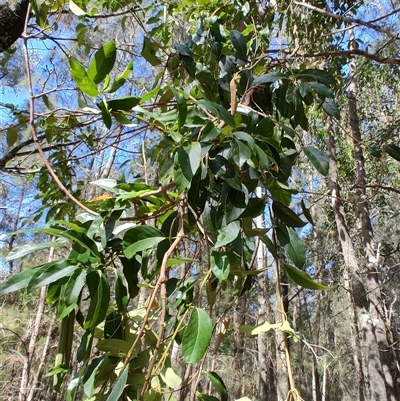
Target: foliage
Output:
[{"x": 228, "y": 119}]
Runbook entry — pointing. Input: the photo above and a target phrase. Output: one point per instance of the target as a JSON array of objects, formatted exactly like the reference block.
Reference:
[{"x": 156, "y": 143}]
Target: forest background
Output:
[{"x": 199, "y": 200}]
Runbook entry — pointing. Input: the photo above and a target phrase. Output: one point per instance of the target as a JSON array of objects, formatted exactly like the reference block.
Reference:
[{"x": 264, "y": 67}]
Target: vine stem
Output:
[
  {"x": 293, "y": 394},
  {"x": 33, "y": 126}
]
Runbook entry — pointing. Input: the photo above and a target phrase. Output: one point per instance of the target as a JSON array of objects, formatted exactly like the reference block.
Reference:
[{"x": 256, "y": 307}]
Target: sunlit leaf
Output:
[
  {"x": 102, "y": 62},
  {"x": 228, "y": 233},
  {"x": 186, "y": 162},
  {"x": 292, "y": 244},
  {"x": 81, "y": 78},
  {"x": 119, "y": 385},
  {"x": 196, "y": 336},
  {"x": 302, "y": 279}
]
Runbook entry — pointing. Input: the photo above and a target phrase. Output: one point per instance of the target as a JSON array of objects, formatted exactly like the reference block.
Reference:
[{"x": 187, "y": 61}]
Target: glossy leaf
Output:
[
  {"x": 218, "y": 111},
  {"x": 79, "y": 74},
  {"x": 228, "y": 233},
  {"x": 287, "y": 215},
  {"x": 292, "y": 244},
  {"x": 393, "y": 150},
  {"x": 307, "y": 213},
  {"x": 50, "y": 273},
  {"x": 186, "y": 162},
  {"x": 26, "y": 249},
  {"x": 120, "y": 81},
  {"x": 196, "y": 336},
  {"x": 18, "y": 281},
  {"x": 268, "y": 78},
  {"x": 239, "y": 43},
  {"x": 119, "y": 385},
  {"x": 220, "y": 265},
  {"x": 219, "y": 385},
  {"x": 314, "y": 74},
  {"x": 302, "y": 279},
  {"x": 330, "y": 108},
  {"x": 141, "y": 238},
  {"x": 98, "y": 303},
  {"x": 149, "y": 51},
  {"x": 318, "y": 159},
  {"x": 123, "y": 103},
  {"x": 102, "y": 62},
  {"x": 182, "y": 107}
]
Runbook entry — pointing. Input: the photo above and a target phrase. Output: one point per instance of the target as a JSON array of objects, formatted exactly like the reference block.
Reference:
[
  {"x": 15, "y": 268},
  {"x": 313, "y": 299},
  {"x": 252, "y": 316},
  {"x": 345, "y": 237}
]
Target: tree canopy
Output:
[{"x": 182, "y": 156}]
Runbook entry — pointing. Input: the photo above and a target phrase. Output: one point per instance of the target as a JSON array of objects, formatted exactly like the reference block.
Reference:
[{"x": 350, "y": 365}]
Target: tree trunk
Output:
[
  {"x": 239, "y": 319},
  {"x": 374, "y": 329},
  {"x": 349, "y": 256}
]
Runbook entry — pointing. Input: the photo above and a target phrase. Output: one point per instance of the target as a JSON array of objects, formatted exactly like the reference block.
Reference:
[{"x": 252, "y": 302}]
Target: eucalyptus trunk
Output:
[
  {"x": 375, "y": 332},
  {"x": 349, "y": 256}
]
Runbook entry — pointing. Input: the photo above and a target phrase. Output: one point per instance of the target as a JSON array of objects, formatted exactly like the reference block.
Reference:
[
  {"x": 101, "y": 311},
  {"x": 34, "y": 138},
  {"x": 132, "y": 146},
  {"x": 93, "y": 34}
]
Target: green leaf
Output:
[
  {"x": 322, "y": 90},
  {"x": 70, "y": 292},
  {"x": 318, "y": 159},
  {"x": 268, "y": 78},
  {"x": 220, "y": 265},
  {"x": 12, "y": 135},
  {"x": 170, "y": 378},
  {"x": 81, "y": 78},
  {"x": 114, "y": 346},
  {"x": 240, "y": 152},
  {"x": 228, "y": 233},
  {"x": 182, "y": 107},
  {"x": 206, "y": 397},
  {"x": 307, "y": 213},
  {"x": 302, "y": 278},
  {"x": 261, "y": 328},
  {"x": 102, "y": 62},
  {"x": 330, "y": 108},
  {"x": 120, "y": 81},
  {"x": 239, "y": 43},
  {"x": 186, "y": 162},
  {"x": 292, "y": 244},
  {"x": 149, "y": 51},
  {"x": 393, "y": 150},
  {"x": 219, "y": 385},
  {"x": 123, "y": 103},
  {"x": 18, "y": 281},
  {"x": 196, "y": 336},
  {"x": 119, "y": 385},
  {"x": 140, "y": 238},
  {"x": 26, "y": 249},
  {"x": 50, "y": 273},
  {"x": 98, "y": 303},
  {"x": 314, "y": 74},
  {"x": 287, "y": 215},
  {"x": 218, "y": 111}
]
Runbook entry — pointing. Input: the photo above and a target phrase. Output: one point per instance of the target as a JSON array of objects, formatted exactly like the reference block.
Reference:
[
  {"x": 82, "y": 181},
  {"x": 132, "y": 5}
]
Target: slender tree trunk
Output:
[
  {"x": 26, "y": 370},
  {"x": 263, "y": 307},
  {"x": 239, "y": 319},
  {"x": 282, "y": 379},
  {"x": 379, "y": 364},
  {"x": 349, "y": 256}
]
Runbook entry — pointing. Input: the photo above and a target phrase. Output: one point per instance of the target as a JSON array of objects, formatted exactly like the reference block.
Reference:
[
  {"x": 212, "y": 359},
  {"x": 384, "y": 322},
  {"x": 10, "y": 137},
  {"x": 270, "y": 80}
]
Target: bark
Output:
[
  {"x": 12, "y": 21},
  {"x": 349, "y": 256},
  {"x": 282, "y": 377},
  {"x": 239, "y": 319},
  {"x": 379, "y": 364}
]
